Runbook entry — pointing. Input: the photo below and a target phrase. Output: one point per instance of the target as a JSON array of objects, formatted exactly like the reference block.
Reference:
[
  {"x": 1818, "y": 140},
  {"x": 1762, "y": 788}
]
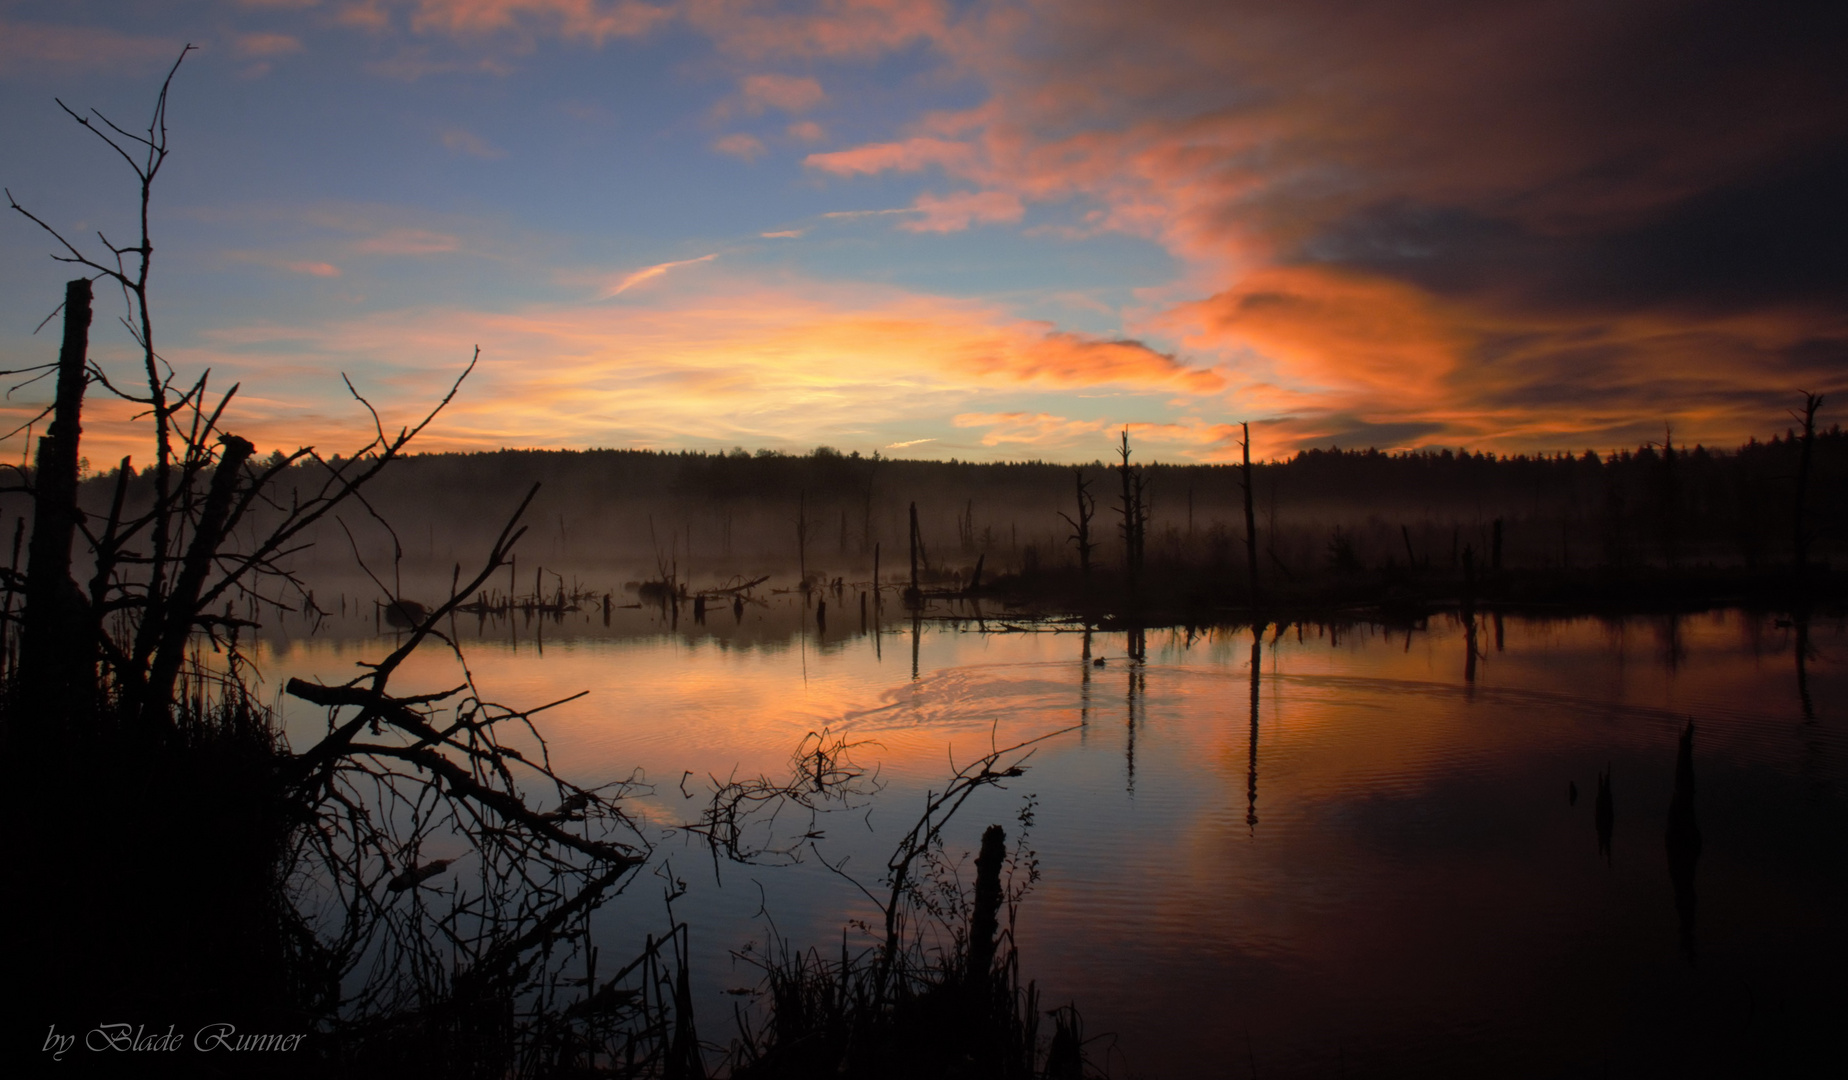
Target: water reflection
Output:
[
  {"x": 1418, "y": 889},
  {"x": 1251, "y": 771}
]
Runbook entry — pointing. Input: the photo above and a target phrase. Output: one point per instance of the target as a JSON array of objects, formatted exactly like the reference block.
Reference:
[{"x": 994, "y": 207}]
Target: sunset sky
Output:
[{"x": 980, "y": 230}]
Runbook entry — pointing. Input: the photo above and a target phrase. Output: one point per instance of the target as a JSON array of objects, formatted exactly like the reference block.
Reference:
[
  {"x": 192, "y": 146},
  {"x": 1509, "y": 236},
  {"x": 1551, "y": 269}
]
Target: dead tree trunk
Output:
[
  {"x": 180, "y": 606},
  {"x": 802, "y": 540},
  {"x": 1132, "y": 515},
  {"x": 1081, "y": 528},
  {"x": 1800, "y": 538},
  {"x": 57, "y": 662},
  {"x": 1251, "y": 518},
  {"x": 912, "y": 595},
  {"x": 984, "y": 920}
]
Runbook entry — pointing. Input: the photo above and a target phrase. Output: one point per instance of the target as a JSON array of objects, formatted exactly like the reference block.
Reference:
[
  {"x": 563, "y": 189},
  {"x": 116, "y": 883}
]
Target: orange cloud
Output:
[
  {"x": 725, "y": 363},
  {"x": 1403, "y": 234},
  {"x": 1336, "y": 331},
  {"x": 629, "y": 281},
  {"x": 1069, "y": 360},
  {"x": 1194, "y": 438}
]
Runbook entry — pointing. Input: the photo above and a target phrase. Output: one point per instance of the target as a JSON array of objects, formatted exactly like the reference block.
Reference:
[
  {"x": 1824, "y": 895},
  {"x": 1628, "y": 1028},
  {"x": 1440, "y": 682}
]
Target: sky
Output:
[{"x": 1002, "y": 229}]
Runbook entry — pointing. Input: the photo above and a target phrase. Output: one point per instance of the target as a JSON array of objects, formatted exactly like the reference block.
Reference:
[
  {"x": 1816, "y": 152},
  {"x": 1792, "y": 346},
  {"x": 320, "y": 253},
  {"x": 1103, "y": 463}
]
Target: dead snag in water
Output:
[
  {"x": 984, "y": 920},
  {"x": 1800, "y": 530},
  {"x": 1133, "y": 512},
  {"x": 914, "y": 596},
  {"x": 1081, "y": 528},
  {"x": 1251, "y": 520}
]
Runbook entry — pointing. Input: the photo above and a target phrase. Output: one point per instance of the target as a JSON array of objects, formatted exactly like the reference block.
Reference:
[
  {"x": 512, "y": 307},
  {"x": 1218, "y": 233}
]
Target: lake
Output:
[{"x": 1353, "y": 850}]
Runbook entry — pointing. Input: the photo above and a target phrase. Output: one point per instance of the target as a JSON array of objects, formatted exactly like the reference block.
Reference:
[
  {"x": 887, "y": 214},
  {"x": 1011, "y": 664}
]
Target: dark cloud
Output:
[{"x": 1774, "y": 238}]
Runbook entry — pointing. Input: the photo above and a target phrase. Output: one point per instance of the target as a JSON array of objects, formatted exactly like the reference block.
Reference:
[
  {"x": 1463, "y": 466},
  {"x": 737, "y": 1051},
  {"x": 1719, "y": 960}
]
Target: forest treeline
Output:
[{"x": 632, "y": 513}]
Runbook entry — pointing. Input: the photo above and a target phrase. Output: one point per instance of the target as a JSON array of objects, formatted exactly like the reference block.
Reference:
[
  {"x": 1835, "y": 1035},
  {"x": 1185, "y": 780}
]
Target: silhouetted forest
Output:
[{"x": 1321, "y": 514}]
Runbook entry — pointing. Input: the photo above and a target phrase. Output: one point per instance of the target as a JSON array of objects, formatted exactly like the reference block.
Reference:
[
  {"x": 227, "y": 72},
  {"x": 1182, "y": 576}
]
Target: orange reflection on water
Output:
[{"x": 1385, "y": 855}]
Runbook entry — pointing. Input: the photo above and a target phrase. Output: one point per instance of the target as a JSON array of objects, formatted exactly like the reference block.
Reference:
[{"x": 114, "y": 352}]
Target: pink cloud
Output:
[
  {"x": 266, "y": 45},
  {"x": 789, "y": 93},
  {"x": 747, "y": 147},
  {"x": 406, "y": 241},
  {"x": 1269, "y": 149},
  {"x": 958, "y": 211},
  {"x": 908, "y": 156},
  {"x": 592, "y": 21},
  {"x": 32, "y": 49},
  {"x": 828, "y": 28},
  {"x": 310, "y": 267}
]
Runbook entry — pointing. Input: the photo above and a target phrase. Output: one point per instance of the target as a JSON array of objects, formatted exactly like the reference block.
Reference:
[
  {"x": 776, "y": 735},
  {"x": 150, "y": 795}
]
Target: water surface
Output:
[{"x": 1357, "y": 855}]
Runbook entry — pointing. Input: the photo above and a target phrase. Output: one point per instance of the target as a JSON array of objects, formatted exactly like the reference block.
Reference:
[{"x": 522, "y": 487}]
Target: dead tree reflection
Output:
[
  {"x": 1803, "y": 647},
  {"x": 1251, "y": 773}
]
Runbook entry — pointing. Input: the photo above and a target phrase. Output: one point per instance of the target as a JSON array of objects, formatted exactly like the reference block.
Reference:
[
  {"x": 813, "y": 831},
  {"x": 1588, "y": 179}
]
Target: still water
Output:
[{"x": 1347, "y": 851}]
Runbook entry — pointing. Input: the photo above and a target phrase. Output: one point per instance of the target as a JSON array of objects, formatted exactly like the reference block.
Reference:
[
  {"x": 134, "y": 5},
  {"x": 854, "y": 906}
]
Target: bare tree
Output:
[
  {"x": 1081, "y": 528},
  {"x": 380, "y": 937}
]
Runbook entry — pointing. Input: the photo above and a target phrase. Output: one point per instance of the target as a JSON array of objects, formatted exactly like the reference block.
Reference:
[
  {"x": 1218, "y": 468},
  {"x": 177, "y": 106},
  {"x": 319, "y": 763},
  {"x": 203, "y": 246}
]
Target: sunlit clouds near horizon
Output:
[{"x": 991, "y": 230}]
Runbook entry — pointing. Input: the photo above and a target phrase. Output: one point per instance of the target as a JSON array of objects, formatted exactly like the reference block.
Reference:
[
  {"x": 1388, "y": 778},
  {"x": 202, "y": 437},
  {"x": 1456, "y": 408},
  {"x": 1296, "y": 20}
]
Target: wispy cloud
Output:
[
  {"x": 414, "y": 62},
  {"x": 408, "y": 241},
  {"x": 592, "y": 21},
  {"x": 467, "y": 142},
  {"x": 30, "y": 50},
  {"x": 748, "y": 147},
  {"x": 786, "y": 234},
  {"x": 790, "y": 93},
  {"x": 908, "y": 156},
  {"x": 649, "y": 273},
  {"x": 267, "y": 44},
  {"x": 958, "y": 211},
  {"x": 275, "y": 261},
  {"x": 850, "y": 214}
]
